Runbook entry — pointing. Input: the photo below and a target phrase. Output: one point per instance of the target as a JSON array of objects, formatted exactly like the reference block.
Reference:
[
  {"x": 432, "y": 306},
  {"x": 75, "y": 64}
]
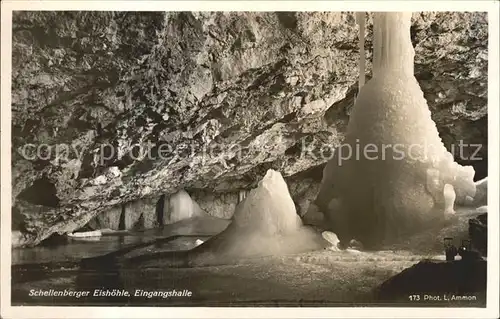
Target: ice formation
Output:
[
  {"x": 393, "y": 184},
  {"x": 360, "y": 19},
  {"x": 449, "y": 199},
  {"x": 94, "y": 233},
  {"x": 332, "y": 239},
  {"x": 264, "y": 224},
  {"x": 198, "y": 242},
  {"x": 181, "y": 206},
  {"x": 482, "y": 209},
  {"x": 241, "y": 195}
]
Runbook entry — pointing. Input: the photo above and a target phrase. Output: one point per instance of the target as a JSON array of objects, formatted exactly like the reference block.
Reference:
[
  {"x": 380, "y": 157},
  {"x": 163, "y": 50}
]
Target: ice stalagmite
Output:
[
  {"x": 180, "y": 206},
  {"x": 388, "y": 179},
  {"x": 264, "y": 224}
]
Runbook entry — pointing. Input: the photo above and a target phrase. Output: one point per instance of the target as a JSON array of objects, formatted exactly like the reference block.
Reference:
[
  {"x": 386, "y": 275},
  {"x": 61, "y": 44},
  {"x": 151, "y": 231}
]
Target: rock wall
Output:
[
  {"x": 141, "y": 214},
  {"x": 228, "y": 95},
  {"x": 220, "y": 205},
  {"x": 109, "y": 218},
  {"x": 478, "y": 233}
]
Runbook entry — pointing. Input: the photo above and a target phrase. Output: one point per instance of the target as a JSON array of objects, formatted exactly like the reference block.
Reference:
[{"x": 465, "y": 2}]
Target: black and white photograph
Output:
[{"x": 257, "y": 156}]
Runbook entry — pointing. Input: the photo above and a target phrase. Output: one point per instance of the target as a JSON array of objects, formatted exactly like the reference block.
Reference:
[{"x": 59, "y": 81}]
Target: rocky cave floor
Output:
[{"x": 319, "y": 278}]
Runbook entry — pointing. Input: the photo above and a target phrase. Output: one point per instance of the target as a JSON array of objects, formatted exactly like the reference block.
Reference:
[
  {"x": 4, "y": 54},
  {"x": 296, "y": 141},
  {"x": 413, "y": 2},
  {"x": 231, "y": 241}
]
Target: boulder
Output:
[
  {"x": 478, "y": 233},
  {"x": 435, "y": 278},
  {"x": 110, "y": 218}
]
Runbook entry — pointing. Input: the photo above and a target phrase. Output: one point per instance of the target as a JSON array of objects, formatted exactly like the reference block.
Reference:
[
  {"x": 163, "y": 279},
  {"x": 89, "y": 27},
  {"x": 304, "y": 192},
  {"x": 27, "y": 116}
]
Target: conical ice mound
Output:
[
  {"x": 265, "y": 224},
  {"x": 180, "y": 206},
  {"x": 392, "y": 184}
]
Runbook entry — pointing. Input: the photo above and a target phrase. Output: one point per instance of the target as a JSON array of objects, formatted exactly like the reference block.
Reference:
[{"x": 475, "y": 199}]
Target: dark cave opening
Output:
[
  {"x": 54, "y": 240},
  {"x": 314, "y": 172},
  {"x": 41, "y": 192},
  {"x": 160, "y": 205},
  {"x": 121, "y": 225},
  {"x": 481, "y": 169}
]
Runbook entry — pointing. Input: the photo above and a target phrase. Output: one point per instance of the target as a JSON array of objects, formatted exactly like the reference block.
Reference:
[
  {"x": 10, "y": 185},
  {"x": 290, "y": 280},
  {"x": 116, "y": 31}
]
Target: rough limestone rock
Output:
[
  {"x": 132, "y": 217},
  {"x": 199, "y": 83},
  {"x": 315, "y": 217},
  {"x": 478, "y": 233},
  {"x": 141, "y": 214},
  {"x": 221, "y": 205},
  {"x": 149, "y": 215},
  {"x": 437, "y": 278},
  {"x": 481, "y": 196},
  {"x": 265, "y": 224},
  {"x": 304, "y": 187},
  {"x": 109, "y": 218}
]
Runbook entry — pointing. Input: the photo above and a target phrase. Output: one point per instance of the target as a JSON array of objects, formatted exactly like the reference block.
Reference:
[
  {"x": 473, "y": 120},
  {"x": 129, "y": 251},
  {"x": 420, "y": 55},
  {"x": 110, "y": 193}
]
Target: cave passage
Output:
[
  {"x": 42, "y": 192},
  {"x": 122, "y": 224},
  {"x": 160, "y": 205}
]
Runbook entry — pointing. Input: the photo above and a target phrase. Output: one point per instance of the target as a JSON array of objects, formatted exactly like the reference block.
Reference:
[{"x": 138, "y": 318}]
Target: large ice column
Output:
[{"x": 388, "y": 181}]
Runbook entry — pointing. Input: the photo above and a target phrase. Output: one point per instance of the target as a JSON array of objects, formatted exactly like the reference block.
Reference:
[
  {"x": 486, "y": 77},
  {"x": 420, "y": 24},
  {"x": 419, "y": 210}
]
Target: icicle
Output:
[
  {"x": 449, "y": 199},
  {"x": 181, "y": 206},
  {"x": 360, "y": 19},
  {"x": 392, "y": 47},
  {"x": 241, "y": 195}
]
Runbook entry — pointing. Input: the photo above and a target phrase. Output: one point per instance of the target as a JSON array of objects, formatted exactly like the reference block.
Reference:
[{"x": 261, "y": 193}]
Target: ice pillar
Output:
[{"x": 389, "y": 183}]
